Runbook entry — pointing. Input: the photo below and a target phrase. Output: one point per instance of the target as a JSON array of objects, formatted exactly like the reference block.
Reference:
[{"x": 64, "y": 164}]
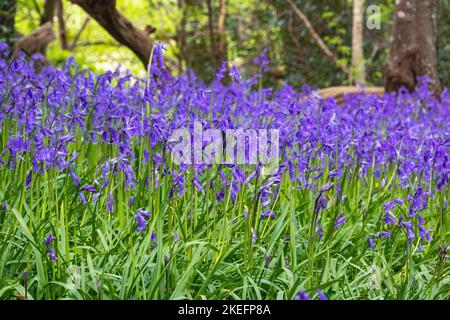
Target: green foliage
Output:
[
  {"x": 183, "y": 25},
  {"x": 101, "y": 256}
]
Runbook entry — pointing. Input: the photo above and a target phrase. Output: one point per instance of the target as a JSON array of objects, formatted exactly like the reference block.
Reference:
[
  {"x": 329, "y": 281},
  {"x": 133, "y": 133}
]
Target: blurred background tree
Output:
[{"x": 200, "y": 34}]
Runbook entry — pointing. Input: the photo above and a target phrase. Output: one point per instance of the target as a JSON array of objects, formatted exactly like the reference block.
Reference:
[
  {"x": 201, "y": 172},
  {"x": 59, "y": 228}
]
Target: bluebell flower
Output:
[
  {"x": 269, "y": 214},
  {"x": 235, "y": 74},
  {"x": 28, "y": 180},
  {"x": 89, "y": 188},
  {"x": 266, "y": 259},
  {"x": 302, "y": 296},
  {"x": 110, "y": 202},
  {"x": 389, "y": 219},
  {"x": 141, "y": 219},
  {"x": 153, "y": 239},
  {"x": 52, "y": 254},
  {"x": 327, "y": 186},
  {"x": 410, "y": 231},
  {"x": 340, "y": 220},
  {"x": 82, "y": 197},
  {"x": 222, "y": 71},
  {"x": 319, "y": 231},
  {"x": 371, "y": 243},
  {"x": 321, "y": 295},
  {"x": 49, "y": 239},
  {"x": 254, "y": 236}
]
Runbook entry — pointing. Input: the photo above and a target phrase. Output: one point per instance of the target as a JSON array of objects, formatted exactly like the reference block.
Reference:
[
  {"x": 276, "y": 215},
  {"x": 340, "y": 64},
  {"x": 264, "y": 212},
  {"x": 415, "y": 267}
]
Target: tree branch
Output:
[
  {"x": 118, "y": 26},
  {"x": 78, "y": 35},
  {"x": 61, "y": 24},
  {"x": 316, "y": 36},
  {"x": 37, "y": 40}
]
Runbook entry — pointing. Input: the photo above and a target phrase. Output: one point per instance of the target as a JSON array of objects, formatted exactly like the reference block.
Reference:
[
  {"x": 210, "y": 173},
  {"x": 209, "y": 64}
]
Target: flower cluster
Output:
[
  {"x": 48, "y": 242},
  {"x": 123, "y": 127}
]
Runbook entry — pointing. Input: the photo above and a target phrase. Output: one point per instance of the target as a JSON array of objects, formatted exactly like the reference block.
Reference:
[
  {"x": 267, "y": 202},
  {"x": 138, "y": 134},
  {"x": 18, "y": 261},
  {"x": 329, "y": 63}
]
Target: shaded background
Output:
[{"x": 247, "y": 27}]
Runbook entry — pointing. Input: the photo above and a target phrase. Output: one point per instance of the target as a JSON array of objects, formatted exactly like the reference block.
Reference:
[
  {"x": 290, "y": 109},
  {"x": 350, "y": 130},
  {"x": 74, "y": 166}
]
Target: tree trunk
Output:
[
  {"x": 181, "y": 35},
  {"x": 221, "y": 29},
  {"x": 7, "y": 28},
  {"x": 412, "y": 49},
  {"x": 358, "y": 69},
  {"x": 119, "y": 27},
  {"x": 49, "y": 11},
  {"x": 212, "y": 37},
  {"x": 61, "y": 25}
]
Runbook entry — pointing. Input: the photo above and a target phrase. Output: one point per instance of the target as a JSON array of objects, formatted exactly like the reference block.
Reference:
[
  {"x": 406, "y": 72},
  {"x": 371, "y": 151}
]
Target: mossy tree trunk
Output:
[{"x": 413, "y": 45}]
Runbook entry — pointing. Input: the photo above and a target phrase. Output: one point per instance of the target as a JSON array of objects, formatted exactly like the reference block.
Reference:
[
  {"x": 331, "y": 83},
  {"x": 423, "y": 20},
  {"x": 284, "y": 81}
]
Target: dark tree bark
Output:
[
  {"x": 181, "y": 35},
  {"x": 7, "y": 27},
  {"x": 218, "y": 41},
  {"x": 46, "y": 18},
  {"x": 49, "y": 11},
  {"x": 61, "y": 24},
  {"x": 221, "y": 29},
  {"x": 412, "y": 49},
  {"x": 212, "y": 35},
  {"x": 119, "y": 27}
]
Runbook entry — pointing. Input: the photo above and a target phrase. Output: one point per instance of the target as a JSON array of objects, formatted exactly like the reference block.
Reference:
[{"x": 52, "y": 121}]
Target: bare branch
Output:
[
  {"x": 78, "y": 35},
  {"x": 118, "y": 26},
  {"x": 316, "y": 36},
  {"x": 37, "y": 40}
]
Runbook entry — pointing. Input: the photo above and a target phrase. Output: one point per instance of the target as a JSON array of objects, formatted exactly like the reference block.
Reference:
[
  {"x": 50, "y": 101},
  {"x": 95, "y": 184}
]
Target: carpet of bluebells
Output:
[{"x": 93, "y": 207}]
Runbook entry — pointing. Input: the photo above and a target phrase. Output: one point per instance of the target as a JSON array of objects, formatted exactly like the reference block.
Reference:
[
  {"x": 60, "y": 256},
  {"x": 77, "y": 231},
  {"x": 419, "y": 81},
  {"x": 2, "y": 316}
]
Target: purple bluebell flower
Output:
[
  {"x": 321, "y": 204},
  {"x": 326, "y": 187},
  {"x": 384, "y": 234},
  {"x": 110, "y": 202},
  {"x": 141, "y": 218},
  {"x": 409, "y": 229},
  {"x": 340, "y": 221},
  {"x": 76, "y": 180},
  {"x": 49, "y": 239},
  {"x": 389, "y": 219},
  {"x": 321, "y": 295},
  {"x": 89, "y": 188},
  {"x": 222, "y": 71},
  {"x": 153, "y": 239},
  {"x": 28, "y": 180},
  {"x": 418, "y": 201},
  {"x": 262, "y": 60},
  {"x": 388, "y": 206},
  {"x": 319, "y": 231},
  {"x": 220, "y": 196},
  {"x": 266, "y": 260},
  {"x": 52, "y": 254},
  {"x": 423, "y": 233},
  {"x": 235, "y": 74},
  {"x": 268, "y": 214},
  {"x": 131, "y": 201},
  {"x": 302, "y": 296},
  {"x": 158, "y": 49},
  {"x": 197, "y": 183},
  {"x": 371, "y": 243},
  {"x": 82, "y": 197}
]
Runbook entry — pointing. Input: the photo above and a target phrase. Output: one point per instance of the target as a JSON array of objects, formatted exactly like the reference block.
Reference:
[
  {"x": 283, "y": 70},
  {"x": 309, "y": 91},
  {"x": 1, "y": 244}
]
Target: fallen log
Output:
[
  {"x": 37, "y": 40},
  {"x": 339, "y": 92}
]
